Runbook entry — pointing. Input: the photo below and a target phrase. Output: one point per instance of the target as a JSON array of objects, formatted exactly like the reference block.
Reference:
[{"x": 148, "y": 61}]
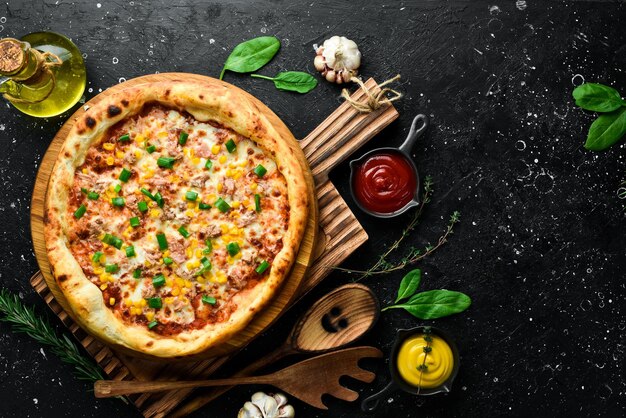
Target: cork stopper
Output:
[{"x": 12, "y": 56}]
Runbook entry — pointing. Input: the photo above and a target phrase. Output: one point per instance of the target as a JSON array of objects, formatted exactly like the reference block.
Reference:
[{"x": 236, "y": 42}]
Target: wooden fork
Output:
[{"x": 307, "y": 380}]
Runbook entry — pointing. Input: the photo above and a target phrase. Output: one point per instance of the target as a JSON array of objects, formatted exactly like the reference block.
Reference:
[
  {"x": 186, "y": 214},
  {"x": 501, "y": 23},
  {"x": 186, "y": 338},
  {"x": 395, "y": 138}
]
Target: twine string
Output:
[
  {"x": 374, "y": 100},
  {"x": 45, "y": 61}
]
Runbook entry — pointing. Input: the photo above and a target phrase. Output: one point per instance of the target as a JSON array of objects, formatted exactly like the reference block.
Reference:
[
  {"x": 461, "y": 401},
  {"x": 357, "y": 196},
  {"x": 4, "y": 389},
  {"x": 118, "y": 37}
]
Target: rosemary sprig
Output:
[
  {"x": 25, "y": 320},
  {"x": 414, "y": 255}
]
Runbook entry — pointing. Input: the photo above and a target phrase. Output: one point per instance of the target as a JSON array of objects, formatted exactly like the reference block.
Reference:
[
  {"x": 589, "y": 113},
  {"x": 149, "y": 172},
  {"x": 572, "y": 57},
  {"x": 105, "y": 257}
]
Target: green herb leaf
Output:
[
  {"x": 209, "y": 300},
  {"x": 166, "y": 162},
  {"x": 82, "y": 209},
  {"x": 597, "y": 97},
  {"x": 435, "y": 304},
  {"x": 409, "y": 284},
  {"x": 251, "y": 55},
  {"x": 605, "y": 131},
  {"x": 297, "y": 81}
]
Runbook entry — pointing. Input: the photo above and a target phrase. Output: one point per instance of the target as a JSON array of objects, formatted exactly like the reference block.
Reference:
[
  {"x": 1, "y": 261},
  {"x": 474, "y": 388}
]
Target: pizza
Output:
[{"x": 173, "y": 214}]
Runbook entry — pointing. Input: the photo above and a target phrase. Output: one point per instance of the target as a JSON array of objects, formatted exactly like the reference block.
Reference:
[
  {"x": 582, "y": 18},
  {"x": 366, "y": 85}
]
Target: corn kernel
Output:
[
  {"x": 147, "y": 263},
  {"x": 108, "y": 146},
  {"x": 222, "y": 159},
  {"x": 162, "y": 134},
  {"x": 195, "y": 160},
  {"x": 199, "y": 253},
  {"x": 175, "y": 291},
  {"x": 225, "y": 228},
  {"x": 168, "y": 299},
  {"x": 220, "y": 187},
  {"x": 110, "y": 160},
  {"x": 149, "y": 316},
  {"x": 111, "y": 301},
  {"x": 235, "y": 204},
  {"x": 137, "y": 154},
  {"x": 243, "y": 163},
  {"x": 232, "y": 165},
  {"x": 84, "y": 170},
  {"x": 155, "y": 213},
  {"x": 139, "y": 138},
  {"x": 220, "y": 277},
  {"x": 215, "y": 149},
  {"x": 98, "y": 271},
  {"x": 103, "y": 286},
  {"x": 228, "y": 173},
  {"x": 119, "y": 154},
  {"x": 179, "y": 282},
  {"x": 237, "y": 175},
  {"x": 166, "y": 253},
  {"x": 143, "y": 302},
  {"x": 253, "y": 186},
  {"x": 246, "y": 203}
]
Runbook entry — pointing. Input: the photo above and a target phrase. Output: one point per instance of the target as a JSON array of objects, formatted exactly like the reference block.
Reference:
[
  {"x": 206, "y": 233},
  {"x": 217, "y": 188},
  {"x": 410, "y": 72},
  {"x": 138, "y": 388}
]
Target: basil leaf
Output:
[
  {"x": 409, "y": 284},
  {"x": 435, "y": 304},
  {"x": 292, "y": 81},
  {"x": 251, "y": 55},
  {"x": 606, "y": 130},
  {"x": 597, "y": 97}
]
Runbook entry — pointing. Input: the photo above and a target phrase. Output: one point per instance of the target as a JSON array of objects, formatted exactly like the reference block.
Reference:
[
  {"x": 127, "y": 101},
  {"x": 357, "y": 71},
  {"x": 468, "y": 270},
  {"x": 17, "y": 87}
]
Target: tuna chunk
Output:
[{"x": 246, "y": 219}]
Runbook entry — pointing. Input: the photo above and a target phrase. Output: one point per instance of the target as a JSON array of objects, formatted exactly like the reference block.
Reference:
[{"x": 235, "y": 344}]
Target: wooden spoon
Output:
[
  {"x": 307, "y": 380},
  {"x": 338, "y": 319}
]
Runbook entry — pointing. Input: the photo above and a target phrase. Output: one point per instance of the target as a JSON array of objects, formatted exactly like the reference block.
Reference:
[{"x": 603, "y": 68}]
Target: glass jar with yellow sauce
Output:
[{"x": 424, "y": 361}]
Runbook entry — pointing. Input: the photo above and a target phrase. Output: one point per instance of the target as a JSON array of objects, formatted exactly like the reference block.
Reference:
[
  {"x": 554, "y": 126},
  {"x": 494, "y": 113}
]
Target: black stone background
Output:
[{"x": 541, "y": 245}]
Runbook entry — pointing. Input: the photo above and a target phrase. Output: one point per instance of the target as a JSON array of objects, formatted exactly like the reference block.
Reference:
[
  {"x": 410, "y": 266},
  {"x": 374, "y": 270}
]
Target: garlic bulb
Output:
[
  {"x": 338, "y": 59},
  {"x": 267, "y": 406}
]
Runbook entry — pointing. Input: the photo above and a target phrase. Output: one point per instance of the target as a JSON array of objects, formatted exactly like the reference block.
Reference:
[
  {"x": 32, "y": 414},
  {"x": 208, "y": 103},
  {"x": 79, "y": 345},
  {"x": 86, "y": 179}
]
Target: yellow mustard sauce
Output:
[{"x": 439, "y": 361}]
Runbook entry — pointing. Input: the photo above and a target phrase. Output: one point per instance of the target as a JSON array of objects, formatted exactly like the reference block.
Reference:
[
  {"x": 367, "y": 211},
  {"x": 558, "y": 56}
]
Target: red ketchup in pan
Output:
[{"x": 385, "y": 182}]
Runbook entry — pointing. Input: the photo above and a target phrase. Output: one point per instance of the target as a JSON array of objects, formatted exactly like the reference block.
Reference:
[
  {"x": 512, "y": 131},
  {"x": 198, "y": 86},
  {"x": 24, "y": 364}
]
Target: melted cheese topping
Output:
[{"x": 192, "y": 281}]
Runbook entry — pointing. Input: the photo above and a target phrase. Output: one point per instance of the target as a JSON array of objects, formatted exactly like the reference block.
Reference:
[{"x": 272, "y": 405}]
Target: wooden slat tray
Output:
[{"x": 340, "y": 234}]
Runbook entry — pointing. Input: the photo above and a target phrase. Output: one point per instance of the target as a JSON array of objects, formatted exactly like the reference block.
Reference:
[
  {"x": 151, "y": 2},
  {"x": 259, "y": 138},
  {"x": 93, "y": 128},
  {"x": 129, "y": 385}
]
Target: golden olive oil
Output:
[{"x": 60, "y": 91}]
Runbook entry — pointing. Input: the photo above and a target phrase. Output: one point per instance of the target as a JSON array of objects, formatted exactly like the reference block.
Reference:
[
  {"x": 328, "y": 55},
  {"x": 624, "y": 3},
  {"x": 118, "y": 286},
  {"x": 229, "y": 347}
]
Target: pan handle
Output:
[
  {"x": 414, "y": 133},
  {"x": 371, "y": 403}
]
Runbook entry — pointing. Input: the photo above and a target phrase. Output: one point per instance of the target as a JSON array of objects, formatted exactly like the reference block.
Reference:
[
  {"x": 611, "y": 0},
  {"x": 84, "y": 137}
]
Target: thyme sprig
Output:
[
  {"x": 414, "y": 254},
  {"x": 25, "y": 320}
]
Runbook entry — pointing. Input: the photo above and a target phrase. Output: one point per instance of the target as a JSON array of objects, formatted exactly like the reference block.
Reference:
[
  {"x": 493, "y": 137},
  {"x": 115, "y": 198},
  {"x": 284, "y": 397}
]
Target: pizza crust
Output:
[{"x": 206, "y": 101}]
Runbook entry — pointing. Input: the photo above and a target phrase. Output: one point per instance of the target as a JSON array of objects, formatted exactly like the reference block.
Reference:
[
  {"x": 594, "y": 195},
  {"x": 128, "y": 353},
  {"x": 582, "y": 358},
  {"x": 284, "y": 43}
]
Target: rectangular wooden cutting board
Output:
[{"x": 339, "y": 235}]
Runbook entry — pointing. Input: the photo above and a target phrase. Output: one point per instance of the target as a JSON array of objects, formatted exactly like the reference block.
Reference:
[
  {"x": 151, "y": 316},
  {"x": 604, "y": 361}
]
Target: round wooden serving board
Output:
[{"x": 303, "y": 261}]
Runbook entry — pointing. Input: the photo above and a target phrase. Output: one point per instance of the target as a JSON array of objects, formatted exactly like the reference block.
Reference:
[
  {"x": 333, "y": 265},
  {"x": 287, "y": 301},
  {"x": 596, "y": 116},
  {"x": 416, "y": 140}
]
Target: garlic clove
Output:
[
  {"x": 331, "y": 76},
  {"x": 281, "y": 399},
  {"x": 287, "y": 411},
  {"x": 250, "y": 410},
  {"x": 319, "y": 63}
]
